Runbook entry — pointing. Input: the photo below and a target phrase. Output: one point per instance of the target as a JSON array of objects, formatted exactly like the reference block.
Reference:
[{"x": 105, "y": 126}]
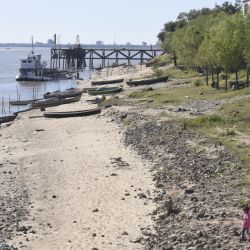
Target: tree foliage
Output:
[{"x": 217, "y": 38}]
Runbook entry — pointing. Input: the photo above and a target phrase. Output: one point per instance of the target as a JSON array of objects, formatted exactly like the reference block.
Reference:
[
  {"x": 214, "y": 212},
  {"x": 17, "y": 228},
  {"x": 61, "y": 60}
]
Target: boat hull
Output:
[
  {"x": 23, "y": 102},
  {"x": 147, "y": 81},
  {"x": 97, "y": 83},
  {"x": 104, "y": 91},
  {"x": 8, "y": 118},
  {"x": 54, "y": 102},
  {"x": 72, "y": 113},
  {"x": 64, "y": 94},
  {"x": 33, "y": 79}
]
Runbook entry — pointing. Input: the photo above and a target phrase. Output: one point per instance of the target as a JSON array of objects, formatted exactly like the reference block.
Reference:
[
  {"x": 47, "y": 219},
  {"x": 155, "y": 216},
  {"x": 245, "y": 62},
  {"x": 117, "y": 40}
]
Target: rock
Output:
[
  {"x": 53, "y": 196},
  {"x": 95, "y": 210},
  {"x": 148, "y": 89},
  {"x": 23, "y": 229},
  {"x": 189, "y": 190},
  {"x": 40, "y": 130},
  {"x": 124, "y": 233},
  {"x": 168, "y": 206}
]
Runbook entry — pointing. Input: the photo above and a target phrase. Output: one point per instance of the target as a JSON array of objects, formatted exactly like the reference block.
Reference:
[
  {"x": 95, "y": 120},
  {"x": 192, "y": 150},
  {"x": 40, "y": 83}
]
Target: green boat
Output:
[
  {"x": 95, "y": 83},
  {"x": 147, "y": 81},
  {"x": 104, "y": 90}
]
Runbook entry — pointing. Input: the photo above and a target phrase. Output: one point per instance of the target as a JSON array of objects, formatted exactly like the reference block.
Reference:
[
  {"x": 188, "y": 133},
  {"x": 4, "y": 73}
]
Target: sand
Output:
[{"x": 84, "y": 186}]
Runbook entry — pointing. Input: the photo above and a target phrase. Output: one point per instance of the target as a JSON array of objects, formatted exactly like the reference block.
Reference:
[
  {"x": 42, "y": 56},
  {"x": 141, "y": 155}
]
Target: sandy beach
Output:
[
  {"x": 128, "y": 178},
  {"x": 82, "y": 188}
]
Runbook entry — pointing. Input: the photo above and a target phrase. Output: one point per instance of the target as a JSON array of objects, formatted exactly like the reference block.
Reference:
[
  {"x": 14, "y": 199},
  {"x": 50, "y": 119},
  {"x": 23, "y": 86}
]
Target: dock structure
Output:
[{"x": 77, "y": 57}]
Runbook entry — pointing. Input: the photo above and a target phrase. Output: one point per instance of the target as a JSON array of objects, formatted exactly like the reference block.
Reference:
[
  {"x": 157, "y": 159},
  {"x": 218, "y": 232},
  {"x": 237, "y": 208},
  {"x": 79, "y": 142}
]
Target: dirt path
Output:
[{"x": 85, "y": 189}]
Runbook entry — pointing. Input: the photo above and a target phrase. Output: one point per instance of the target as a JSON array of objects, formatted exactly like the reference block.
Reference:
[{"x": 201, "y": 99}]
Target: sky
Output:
[{"x": 110, "y": 21}]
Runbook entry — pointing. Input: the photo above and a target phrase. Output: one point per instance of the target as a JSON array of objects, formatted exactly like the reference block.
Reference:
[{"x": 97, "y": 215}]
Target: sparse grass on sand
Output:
[{"x": 229, "y": 125}]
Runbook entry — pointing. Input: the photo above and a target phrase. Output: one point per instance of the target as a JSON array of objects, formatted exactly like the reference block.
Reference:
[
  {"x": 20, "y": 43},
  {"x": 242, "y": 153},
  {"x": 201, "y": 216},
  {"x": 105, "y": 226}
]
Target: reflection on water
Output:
[{"x": 13, "y": 90}]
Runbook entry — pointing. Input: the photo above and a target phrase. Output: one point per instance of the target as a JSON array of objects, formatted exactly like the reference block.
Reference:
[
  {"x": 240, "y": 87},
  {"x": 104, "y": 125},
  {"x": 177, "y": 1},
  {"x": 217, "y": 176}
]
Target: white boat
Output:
[{"x": 32, "y": 69}]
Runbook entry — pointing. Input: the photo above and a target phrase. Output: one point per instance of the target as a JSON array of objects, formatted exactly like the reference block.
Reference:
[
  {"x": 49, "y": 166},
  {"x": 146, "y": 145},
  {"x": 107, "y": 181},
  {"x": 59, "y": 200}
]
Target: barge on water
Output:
[{"x": 34, "y": 70}]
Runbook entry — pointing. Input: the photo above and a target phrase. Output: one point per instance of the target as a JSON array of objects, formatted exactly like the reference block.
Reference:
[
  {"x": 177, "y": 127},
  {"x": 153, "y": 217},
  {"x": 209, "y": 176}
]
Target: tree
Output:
[
  {"x": 247, "y": 46},
  {"x": 187, "y": 41},
  {"x": 99, "y": 43}
]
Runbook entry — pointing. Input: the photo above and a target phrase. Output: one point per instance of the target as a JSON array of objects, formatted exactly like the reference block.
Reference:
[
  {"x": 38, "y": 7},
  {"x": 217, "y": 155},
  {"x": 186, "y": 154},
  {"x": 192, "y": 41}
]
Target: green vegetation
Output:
[
  {"x": 228, "y": 126},
  {"x": 213, "y": 41}
]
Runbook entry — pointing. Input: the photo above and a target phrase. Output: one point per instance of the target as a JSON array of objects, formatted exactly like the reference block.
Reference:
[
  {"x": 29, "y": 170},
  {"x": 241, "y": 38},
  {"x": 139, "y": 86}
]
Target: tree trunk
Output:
[
  {"x": 212, "y": 77},
  {"x": 226, "y": 82},
  {"x": 175, "y": 59},
  {"x": 237, "y": 78},
  {"x": 207, "y": 75},
  {"x": 247, "y": 78},
  {"x": 218, "y": 78}
]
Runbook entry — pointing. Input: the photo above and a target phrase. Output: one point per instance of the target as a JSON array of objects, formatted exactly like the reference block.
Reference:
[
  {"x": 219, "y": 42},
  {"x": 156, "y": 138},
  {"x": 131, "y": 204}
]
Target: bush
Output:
[
  {"x": 229, "y": 132},
  {"x": 223, "y": 76},
  {"x": 197, "y": 83},
  {"x": 209, "y": 120}
]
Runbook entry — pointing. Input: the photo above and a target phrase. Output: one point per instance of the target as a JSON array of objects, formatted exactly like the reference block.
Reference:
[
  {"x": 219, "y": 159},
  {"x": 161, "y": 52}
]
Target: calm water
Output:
[{"x": 9, "y": 88}]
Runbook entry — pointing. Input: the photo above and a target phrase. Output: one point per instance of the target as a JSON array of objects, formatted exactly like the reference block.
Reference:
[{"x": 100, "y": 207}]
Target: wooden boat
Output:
[
  {"x": 64, "y": 94},
  {"x": 147, "y": 81},
  {"x": 24, "y": 110},
  {"x": 104, "y": 91},
  {"x": 8, "y": 118},
  {"x": 72, "y": 113},
  {"x": 23, "y": 102},
  {"x": 54, "y": 101},
  {"x": 95, "y": 83}
]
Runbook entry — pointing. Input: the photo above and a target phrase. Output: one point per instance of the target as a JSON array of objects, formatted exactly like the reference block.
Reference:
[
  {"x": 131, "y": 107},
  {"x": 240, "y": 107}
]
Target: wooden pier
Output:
[{"x": 77, "y": 57}]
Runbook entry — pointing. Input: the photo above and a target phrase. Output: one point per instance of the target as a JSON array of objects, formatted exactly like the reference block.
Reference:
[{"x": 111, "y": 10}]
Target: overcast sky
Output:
[{"x": 107, "y": 20}]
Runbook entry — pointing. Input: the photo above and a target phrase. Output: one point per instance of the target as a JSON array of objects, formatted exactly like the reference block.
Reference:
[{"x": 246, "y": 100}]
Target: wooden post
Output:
[
  {"x": 9, "y": 103},
  {"x": 129, "y": 57},
  {"x": 59, "y": 59},
  {"x": 116, "y": 58},
  {"x": 103, "y": 58}
]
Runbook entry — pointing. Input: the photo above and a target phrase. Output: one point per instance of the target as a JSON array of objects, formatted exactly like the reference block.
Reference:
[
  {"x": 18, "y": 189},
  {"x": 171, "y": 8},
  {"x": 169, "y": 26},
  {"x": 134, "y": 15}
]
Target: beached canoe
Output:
[
  {"x": 23, "y": 102},
  {"x": 54, "y": 102},
  {"x": 147, "y": 81},
  {"x": 64, "y": 94},
  {"x": 8, "y": 118},
  {"x": 104, "y": 91},
  {"x": 104, "y": 82},
  {"x": 86, "y": 112}
]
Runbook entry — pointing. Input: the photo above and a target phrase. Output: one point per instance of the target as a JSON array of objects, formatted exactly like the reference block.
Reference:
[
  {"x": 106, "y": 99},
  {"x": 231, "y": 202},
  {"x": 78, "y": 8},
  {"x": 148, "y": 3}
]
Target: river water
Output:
[{"x": 11, "y": 89}]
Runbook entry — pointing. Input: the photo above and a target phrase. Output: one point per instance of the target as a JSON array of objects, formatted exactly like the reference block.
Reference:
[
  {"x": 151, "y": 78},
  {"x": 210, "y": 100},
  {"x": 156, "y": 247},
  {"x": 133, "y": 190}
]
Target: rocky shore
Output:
[{"x": 196, "y": 185}]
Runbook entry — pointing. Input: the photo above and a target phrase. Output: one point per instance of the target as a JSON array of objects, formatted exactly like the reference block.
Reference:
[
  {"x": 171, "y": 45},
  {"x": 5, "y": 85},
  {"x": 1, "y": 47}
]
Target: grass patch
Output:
[
  {"x": 185, "y": 93},
  {"x": 208, "y": 121},
  {"x": 176, "y": 73},
  {"x": 245, "y": 182}
]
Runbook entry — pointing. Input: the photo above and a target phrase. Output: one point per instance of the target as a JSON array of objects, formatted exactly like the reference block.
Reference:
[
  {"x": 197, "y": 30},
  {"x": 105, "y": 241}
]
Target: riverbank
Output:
[
  {"x": 71, "y": 183},
  {"x": 79, "y": 187},
  {"x": 136, "y": 176}
]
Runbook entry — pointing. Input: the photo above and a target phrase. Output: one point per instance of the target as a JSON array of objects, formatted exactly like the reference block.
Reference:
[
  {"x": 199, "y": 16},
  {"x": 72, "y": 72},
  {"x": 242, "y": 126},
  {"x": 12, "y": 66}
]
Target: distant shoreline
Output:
[{"x": 12, "y": 45}]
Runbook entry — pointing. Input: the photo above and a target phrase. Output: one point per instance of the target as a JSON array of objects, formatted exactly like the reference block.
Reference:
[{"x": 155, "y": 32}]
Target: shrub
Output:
[
  {"x": 229, "y": 132},
  {"x": 197, "y": 83},
  {"x": 209, "y": 120}
]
